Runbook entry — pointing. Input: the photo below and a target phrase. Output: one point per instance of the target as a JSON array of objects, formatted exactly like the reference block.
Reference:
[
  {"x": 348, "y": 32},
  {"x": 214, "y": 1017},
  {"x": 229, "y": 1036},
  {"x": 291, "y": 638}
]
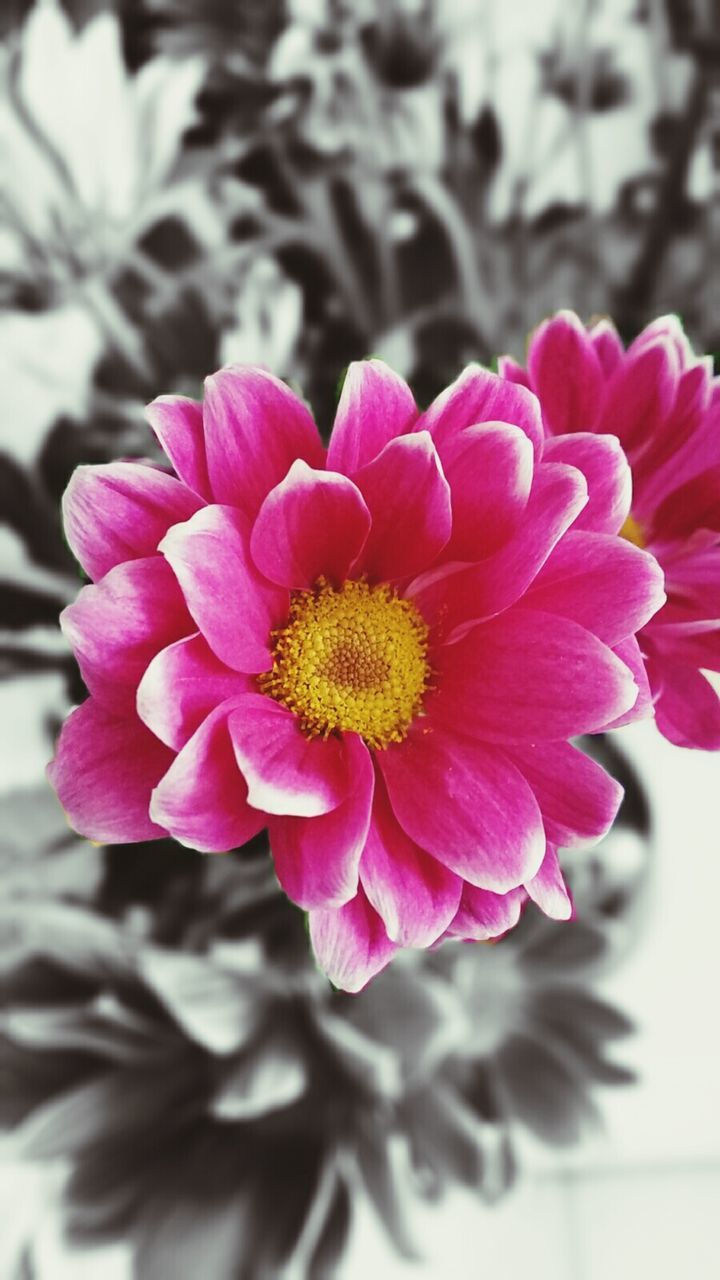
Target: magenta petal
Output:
[
  {"x": 490, "y": 471},
  {"x": 255, "y": 428},
  {"x": 104, "y": 770},
  {"x": 409, "y": 500},
  {"x": 566, "y": 374},
  {"x": 482, "y": 915},
  {"x": 640, "y": 394},
  {"x": 415, "y": 895},
  {"x": 694, "y": 505},
  {"x": 234, "y": 606},
  {"x": 530, "y": 677},
  {"x": 607, "y": 345},
  {"x": 605, "y": 583},
  {"x": 628, "y": 651},
  {"x": 317, "y": 859},
  {"x": 286, "y": 772},
  {"x": 452, "y": 597},
  {"x": 481, "y": 396},
  {"x": 202, "y": 800},
  {"x": 351, "y": 944},
  {"x": 117, "y": 625},
  {"x": 548, "y": 889},
  {"x": 609, "y": 480},
  {"x": 375, "y": 406},
  {"x": 466, "y": 804},
  {"x": 120, "y": 512},
  {"x": 313, "y": 524},
  {"x": 178, "y": 425},
  {"x": 182, "y": 685},
  {"x": 511, "y": 371},
  {"x": 687, "y": 710},
  {"x": 578, "y": 799}
]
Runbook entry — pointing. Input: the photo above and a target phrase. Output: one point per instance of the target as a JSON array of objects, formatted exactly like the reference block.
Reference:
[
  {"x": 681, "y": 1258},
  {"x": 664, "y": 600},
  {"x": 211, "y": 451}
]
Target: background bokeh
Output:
[{"x": 301, "y": 183}]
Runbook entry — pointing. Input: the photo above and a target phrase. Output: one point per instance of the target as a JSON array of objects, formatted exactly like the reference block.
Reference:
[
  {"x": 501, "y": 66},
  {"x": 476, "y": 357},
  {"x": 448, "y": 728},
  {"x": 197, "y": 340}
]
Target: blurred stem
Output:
[
  {"x": 118, "y": 329},
  {"x": 476, "y": 302},
  {"x": 299, "y": 1265}
]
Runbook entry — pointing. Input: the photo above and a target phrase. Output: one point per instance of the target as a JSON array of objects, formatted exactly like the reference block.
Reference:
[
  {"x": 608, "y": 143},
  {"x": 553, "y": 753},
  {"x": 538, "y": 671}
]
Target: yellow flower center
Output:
[
  {"x": 632, "y": 531},
  {"x": 352, "y": 659}
]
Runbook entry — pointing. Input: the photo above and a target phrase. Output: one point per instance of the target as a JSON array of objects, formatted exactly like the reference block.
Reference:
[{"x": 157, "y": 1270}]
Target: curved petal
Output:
[
  {"x": 350, "y": 943},
  {"x": 182, "y": 685},
  {"x": 120, "y": 512},
  {"x": 415, "y": 895},
  {"x": 104, "y": 770},
  {"x": 317, "y": 859},
  {"x": 609, "y": 586},
  {"x": 466, "y": 804},
  {"x": 511, "y": 371},
  {"x": 628, "y": 651},
  {"x": 454, "y": 596},
  {"x": 202, "y": 799},
  {"x": 233, "y": 605},
  {"x": 375, "y": 406},
  {"x": 578, "y": 799},
  {"x": 607, "y": 345},
  {"x": 117, "y": 625},
  {"x": 607, "y": 471},
  {"x": 694, "y": 505},
  {"x": 490, "y": 471},
  {"x": 286, "y": 772},
  {"x": 178, "y": 425},
  {"x": 548, "y": 889},
  {"x": 566, "y": 374},
  {"x": 313, "y": 524},
  {"x": 687, "y": 709},
  {"x": 530, "y": 677},
  {"x": 482, "y": 915},
  {"x": 255, "y": 428},
  {"x": 478, "y": 395},
  {"x": 409, "y": 500},
  {"x": 641, "y": 393}
]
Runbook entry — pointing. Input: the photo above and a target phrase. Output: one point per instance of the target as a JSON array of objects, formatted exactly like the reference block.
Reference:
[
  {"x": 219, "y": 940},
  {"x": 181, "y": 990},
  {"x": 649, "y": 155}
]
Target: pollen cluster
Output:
[
  {"x": 351, "y": 659},
  {"x": 632, "y": 531}
]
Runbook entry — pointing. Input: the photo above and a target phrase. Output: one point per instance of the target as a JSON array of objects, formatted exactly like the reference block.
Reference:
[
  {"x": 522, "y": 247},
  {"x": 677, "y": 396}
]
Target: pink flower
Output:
[
  {"x": 379, "y": 652},
  {"x": 663, "y": 404}
]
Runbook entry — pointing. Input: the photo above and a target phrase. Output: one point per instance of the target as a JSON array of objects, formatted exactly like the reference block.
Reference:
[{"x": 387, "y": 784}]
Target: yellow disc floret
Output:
[
  {"x": 632, "y": 531},
  {"x": 352, "y": 659}
]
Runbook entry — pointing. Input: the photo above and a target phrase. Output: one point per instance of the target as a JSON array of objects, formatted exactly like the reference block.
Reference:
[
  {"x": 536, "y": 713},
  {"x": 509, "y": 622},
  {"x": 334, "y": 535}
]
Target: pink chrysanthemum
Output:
[
  {"x": 379, "y": 652},
  {"x": 663, "y": 404}
]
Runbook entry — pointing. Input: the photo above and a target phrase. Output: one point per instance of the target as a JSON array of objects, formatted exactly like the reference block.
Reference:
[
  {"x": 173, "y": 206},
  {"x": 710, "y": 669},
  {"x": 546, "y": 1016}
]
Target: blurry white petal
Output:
[{"x": 219, "y": 1010}]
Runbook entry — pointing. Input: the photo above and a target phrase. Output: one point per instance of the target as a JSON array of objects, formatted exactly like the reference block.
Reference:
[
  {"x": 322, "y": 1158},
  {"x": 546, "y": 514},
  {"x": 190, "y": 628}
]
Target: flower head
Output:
[
  {"x": 663, "y": 404},
  {"x": 378, "y": 651}
]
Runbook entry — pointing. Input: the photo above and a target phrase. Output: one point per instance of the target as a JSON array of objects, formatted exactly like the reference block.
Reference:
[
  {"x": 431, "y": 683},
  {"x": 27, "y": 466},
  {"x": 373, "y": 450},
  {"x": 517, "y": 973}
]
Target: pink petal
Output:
[
  {"x": 452, "y": 597},
  {"x": 548, "y": 889},
  {"x": 687, "y": 710},
  {"x": 375, "y": 406},
  {"x": 178, "y": 425},
  {"x": 182, "y": 685},
  {"x": 628, "y": 651},
  {"x": 350, "y": 943},
  {"x": 255, "y": 428},
  {"x": 511, "y": 371},
  {"x": 104, "y": 770},
  {"x": 530, "y": 677},
  {"x": 607, "y": 345},
  {"x": 578, "y": 799},
  {"x": 566, "y": 374},
  {"x": 481, "y": 396},
  {"x": 694, "y": 505},
  {"x": 286, "y": 772},
  {"x": 117, "y": 626},
  {"x": 668, "y": 329},
  {"x": 415, "y": 895},
  {"x": 312, "y": 524},
  {"x": 609, "y": 480},
  {"x": 640, "y": 394},
  {"x": 120, "y": 512},
  {"x": 409, "y": 500},
  {"x": 466, "y": 804},
  {"x": 234, "y": 606},
  {"x": 202, "y": 800},
  {"x": 686, "y": 443},
  {"x": 317, "y": 859},
  {"x": 605, "y": 583},
  {"x": 490, "y": 471},
  {"x": 483, "y": 915}
]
